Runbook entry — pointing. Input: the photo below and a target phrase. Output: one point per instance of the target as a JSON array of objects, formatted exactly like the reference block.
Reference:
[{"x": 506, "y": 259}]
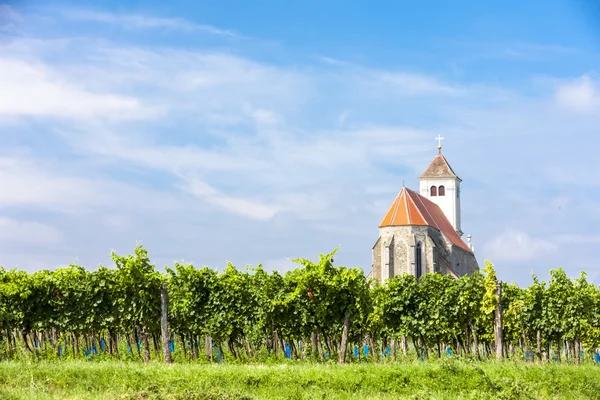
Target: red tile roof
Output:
[
  {"x": 439, "y": 168},
  {"x": 410, "y": 208}
]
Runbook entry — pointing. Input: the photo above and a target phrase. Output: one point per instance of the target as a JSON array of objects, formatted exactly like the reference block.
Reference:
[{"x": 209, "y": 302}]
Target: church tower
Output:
[{"x": 441, "y": 185}]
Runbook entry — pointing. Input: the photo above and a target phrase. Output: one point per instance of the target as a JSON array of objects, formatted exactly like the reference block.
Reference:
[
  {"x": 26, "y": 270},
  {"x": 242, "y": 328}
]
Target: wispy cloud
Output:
[
  {"x": 571, "y": 239},
  {"x": 417, "y": 83},
  {"x": 28, "y": 232},
  {"x": 517, "y": 51},
  {"x": 35, "y": 90},
  {"x": 240, "y": 206},
  {"x": 513, "y": 245},
  {"x": 31, "y": 183},
  {"x": 529, "y": 51},
  {"x": 133, "y": 21},
  {"x": 581, "y": 94},
  {"x": 402, "y": 81},
  {"x": 9, "y": 19}
]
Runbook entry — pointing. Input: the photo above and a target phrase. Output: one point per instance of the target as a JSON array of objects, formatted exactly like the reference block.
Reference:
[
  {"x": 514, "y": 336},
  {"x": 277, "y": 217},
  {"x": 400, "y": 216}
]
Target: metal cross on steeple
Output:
[{"x": 439, "y": 139}]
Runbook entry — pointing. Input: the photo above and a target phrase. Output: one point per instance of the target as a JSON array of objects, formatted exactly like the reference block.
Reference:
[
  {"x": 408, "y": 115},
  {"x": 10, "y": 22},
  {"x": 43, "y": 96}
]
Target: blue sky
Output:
[{"x": 258, "y": 132}]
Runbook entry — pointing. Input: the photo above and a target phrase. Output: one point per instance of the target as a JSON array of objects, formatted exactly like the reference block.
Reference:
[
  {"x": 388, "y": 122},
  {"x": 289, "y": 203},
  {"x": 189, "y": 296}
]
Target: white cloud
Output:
[
  {"x": 416, "y": 83},
  {"x": 342, "y": 118},
  {"x": 265, "y": 117},
  {"x": 519, "y": 51},
  {"x": 580, "y": 94},
  {"x": 241, "y": 206},
  {"x": 400, "y": 81},
  {"x": 132, "y": 21},
  {"x": 514, "y": 245},
  {"x": 281, "y": 265},
  {"x": 34, "y": 185},
  {"x": 19, "y": 232},
  {"x": 577, "y": 239},
  {"x": 30, "y": 89},
  {"x": 117, "y": 221}
]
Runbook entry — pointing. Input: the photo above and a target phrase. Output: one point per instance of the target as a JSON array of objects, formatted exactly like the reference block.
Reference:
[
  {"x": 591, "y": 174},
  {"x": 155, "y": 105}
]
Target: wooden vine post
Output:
[
  {"x": 498, "y": 324},
  {"x": 164, "y": 322},
  {"x": 344, "y": 342}
]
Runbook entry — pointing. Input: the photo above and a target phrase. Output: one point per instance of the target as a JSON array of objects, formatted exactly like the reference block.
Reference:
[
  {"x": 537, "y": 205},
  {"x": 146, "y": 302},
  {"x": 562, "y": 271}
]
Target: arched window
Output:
[
  {"x": 433, "y": 191},
  {"x": 418, "y": 266},
  {"x": 442, "y": 191}
]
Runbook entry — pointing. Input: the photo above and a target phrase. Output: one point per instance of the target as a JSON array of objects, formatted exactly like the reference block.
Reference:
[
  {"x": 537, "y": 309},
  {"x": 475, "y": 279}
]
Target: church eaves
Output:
[
  {"x": 410, "y": 208},
  {"x": 439, "y": 168}
]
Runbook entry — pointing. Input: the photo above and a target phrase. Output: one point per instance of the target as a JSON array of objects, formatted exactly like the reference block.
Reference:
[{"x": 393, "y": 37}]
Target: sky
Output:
[{"x": 260, "y": 132}]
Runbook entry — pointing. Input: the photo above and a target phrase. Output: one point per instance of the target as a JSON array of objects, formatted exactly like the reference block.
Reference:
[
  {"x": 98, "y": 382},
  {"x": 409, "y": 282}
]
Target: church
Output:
[{"x": 421, "y": 232}]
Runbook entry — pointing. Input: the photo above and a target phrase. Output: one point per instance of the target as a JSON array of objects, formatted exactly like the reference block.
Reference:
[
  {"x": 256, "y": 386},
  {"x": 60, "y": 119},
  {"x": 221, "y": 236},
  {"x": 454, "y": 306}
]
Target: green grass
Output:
[{"x": 448, "y": 379}]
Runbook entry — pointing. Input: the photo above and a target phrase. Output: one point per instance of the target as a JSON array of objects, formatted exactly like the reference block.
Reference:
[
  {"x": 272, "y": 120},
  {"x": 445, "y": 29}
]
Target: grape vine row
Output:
[{"x": 317, "y": 311}]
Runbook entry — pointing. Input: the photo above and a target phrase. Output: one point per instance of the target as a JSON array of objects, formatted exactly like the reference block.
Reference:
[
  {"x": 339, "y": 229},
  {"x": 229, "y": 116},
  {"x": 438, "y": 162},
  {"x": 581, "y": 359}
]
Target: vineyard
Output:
[{"x": 319, "y": 312}]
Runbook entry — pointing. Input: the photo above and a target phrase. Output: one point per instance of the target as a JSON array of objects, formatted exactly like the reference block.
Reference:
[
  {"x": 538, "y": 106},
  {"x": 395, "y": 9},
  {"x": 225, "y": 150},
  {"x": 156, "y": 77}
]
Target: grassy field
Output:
[{"x": 448, "y": 379}]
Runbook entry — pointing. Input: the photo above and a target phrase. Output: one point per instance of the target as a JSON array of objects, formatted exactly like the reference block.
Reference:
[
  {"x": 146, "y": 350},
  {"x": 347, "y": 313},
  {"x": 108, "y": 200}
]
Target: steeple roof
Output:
[
  {"x": 410, "y": 208},
  {"x": 439, "y": 168}
]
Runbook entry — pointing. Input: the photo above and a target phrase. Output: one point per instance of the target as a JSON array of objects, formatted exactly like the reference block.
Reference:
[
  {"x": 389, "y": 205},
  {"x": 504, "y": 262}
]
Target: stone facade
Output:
[{"x": 394, "y": 253}]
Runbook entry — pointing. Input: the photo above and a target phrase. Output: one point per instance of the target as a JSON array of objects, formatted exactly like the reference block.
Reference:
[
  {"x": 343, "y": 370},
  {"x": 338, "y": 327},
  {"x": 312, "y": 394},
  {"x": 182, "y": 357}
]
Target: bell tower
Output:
[{"x": 441, "y": 185}]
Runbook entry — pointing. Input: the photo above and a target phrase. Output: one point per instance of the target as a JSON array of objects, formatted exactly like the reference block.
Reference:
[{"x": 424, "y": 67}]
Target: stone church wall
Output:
[
  {"x": 404, "y": 238},
  {"x": 401, "y": 252},
  {"x": 441, "y": 245},
  {"x": 377, "y": 260},
  {"x": 464, "y": 263}
]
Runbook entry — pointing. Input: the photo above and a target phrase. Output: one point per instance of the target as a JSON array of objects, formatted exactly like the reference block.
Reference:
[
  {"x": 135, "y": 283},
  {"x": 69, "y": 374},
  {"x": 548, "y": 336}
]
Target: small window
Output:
[
  {"x": 433, "y": 191},
  {"x": 442, "y": 191},
  {"x": 418, "y": 266}
]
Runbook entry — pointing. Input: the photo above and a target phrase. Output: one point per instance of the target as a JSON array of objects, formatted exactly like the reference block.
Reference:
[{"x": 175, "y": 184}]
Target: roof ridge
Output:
[
  {"x": 396, "y": 206},
  {"x": 418, "y": 208},
  {"x": 406, "y": 206},
  {"x": 421, "y": 198}
]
